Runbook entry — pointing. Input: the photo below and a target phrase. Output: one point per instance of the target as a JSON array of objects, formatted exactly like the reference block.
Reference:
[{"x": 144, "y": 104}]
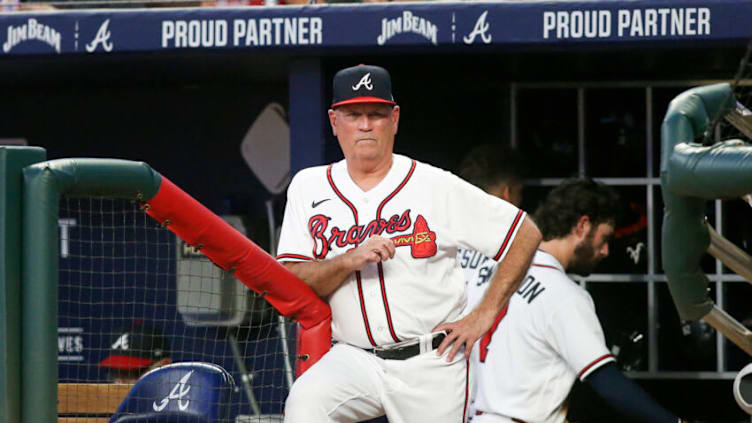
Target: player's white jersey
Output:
[
  {"x": 548, "y": 336},
  {"x": 478, "y": 270},
  {"x": 428, "y": 212}
]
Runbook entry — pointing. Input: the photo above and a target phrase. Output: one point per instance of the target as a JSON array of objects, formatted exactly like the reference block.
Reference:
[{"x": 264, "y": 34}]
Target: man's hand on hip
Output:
[{"x": 464, "y": 332}]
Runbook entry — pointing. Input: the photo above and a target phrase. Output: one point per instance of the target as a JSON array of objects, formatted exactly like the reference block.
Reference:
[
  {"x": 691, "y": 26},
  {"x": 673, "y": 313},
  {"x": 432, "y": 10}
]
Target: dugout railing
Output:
[
  {"x": 691, "y": 175},
  {"x": 31, "y": 193}
]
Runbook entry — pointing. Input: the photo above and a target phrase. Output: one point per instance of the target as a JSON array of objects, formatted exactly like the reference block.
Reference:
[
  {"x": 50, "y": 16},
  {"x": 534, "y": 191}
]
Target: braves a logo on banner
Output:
[
  {"x": 102, "y": 38},
  {"x": 422, "y": 241},
  {"x": 480, "y": 30}
]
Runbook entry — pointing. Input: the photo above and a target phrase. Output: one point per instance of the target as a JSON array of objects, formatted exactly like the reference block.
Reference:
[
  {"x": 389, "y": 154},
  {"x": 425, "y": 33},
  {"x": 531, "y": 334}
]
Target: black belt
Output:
[{"x": 408, "y": 351}]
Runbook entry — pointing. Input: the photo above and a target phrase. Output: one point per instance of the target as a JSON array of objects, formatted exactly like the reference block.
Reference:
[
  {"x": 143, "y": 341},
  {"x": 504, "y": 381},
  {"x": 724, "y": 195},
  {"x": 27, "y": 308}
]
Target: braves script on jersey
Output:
[
  {"x": 548, "y": 336},
  {"x": 427, "y": 212}
]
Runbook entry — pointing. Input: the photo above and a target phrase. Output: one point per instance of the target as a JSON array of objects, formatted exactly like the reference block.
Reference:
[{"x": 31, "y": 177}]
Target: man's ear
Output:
[
  {"x": 333, "y": 121},
  {"x": 395, "y": 117},
  {"x": 506, "y": 194},
  {"x": 582, "y": 228}
]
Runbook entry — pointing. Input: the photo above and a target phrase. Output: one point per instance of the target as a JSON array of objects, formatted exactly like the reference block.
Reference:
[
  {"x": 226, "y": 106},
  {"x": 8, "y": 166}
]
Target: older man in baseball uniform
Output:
[
  {"x": 549, "y": 334},
  {"x": 376, "y": 235}
]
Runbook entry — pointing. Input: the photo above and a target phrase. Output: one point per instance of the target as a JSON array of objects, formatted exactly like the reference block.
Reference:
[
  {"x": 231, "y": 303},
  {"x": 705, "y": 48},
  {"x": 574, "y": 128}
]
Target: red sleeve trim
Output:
[
  {"x": 294, "y": 256},
  {"x": 510, "y": 232},
  {"x": 596, "y": 361}
]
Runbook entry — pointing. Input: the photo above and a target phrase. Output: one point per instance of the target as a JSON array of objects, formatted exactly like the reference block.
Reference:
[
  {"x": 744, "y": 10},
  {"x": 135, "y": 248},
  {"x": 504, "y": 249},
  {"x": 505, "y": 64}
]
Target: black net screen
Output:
[{"x": 133, "y": 298}]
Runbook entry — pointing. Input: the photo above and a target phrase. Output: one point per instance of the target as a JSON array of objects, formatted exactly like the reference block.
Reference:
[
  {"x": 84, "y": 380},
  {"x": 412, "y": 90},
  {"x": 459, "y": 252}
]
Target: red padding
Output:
[
  {"x": 229, "y": 249},
  {"x": 313, "y": 343}
]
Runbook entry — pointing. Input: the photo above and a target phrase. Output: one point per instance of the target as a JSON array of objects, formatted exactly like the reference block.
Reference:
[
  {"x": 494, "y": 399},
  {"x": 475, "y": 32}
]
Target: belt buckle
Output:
[{"x": 437, "y": 339}]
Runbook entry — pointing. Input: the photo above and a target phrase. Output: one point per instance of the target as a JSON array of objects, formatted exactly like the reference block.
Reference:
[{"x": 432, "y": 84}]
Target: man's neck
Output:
[
  {"x": 367, "y": 174},
  {"x": 561, "y": 248}
]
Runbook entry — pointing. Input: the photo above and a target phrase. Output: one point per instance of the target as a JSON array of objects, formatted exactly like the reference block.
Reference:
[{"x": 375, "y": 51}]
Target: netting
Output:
[{"x": 132, "y": 295}]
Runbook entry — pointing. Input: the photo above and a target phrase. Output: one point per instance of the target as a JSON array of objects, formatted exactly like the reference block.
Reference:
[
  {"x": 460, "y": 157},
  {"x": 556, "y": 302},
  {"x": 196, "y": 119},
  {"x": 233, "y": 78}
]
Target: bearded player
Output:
[
  {"x": 376, "y": 235},
  {"x": 549, "y": 334}
]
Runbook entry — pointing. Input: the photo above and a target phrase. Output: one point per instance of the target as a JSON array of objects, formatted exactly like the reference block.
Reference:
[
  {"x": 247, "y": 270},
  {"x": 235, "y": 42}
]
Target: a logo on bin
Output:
[{"x": 180, "y": 390}]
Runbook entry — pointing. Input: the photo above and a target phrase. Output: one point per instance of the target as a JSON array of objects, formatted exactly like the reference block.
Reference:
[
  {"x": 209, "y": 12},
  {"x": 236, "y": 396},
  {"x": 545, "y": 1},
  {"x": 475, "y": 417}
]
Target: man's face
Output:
[
  {"x": 119, "y": 376},
  {"x": 365, "y": 130},
  {"x": 591, "y": 250}
]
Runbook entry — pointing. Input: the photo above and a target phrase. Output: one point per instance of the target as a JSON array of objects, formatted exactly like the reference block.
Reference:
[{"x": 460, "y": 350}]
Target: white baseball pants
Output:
[{"x": 352, "y": 385}]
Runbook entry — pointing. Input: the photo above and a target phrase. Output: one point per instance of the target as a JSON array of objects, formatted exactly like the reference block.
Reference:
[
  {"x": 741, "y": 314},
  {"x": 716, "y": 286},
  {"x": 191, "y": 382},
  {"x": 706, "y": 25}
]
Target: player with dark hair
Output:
[
  {"x": 573, "y": 200},
  {"x": 549, "y": 334},
  {"x": 376, "y": 234},
  {"x": 499, "y": 171},
  {"x": 496, "y": 169}
]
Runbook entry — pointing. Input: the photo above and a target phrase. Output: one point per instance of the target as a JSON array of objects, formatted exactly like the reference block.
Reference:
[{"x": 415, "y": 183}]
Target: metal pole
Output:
[
  {"x": 281, "y": 327},
  {"x": 245, "y": 377}
]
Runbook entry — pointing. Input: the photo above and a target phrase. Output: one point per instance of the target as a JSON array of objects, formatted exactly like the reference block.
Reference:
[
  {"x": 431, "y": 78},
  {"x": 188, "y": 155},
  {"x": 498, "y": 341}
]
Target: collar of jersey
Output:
[
  {"x": 542, "y": 257},
  {"x": 400, "y": 167}
]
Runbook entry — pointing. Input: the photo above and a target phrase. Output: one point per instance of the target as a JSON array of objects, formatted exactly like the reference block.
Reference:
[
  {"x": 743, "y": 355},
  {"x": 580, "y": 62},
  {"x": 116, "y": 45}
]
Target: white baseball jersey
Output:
[
  {"x": 478, "y": 269},
  {"x": 548, "y": 336},
  {"x": 428, "y": 212}
]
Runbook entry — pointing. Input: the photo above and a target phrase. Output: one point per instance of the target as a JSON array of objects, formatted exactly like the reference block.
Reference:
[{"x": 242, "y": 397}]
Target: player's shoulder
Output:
[
  {"x": 440, "y": 180},
  {"x": 425, "y": 169}
]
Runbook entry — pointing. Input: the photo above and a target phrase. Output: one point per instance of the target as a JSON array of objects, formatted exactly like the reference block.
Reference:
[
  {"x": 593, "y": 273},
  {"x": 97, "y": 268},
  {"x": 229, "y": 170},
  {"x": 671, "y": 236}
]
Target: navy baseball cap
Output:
[
  {"x": 362, "y": 84},
  {"x": 135, "y": 348}
]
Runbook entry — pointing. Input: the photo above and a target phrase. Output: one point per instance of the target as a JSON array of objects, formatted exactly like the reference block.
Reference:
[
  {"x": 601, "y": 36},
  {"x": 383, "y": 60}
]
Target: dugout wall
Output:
[
  {"x": 45, "y": 184},
  {"x": 12, "y": 160}
]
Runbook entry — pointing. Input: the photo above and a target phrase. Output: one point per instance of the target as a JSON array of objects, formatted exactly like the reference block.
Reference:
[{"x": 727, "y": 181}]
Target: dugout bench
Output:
[{"x": 89, "y": 402}]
